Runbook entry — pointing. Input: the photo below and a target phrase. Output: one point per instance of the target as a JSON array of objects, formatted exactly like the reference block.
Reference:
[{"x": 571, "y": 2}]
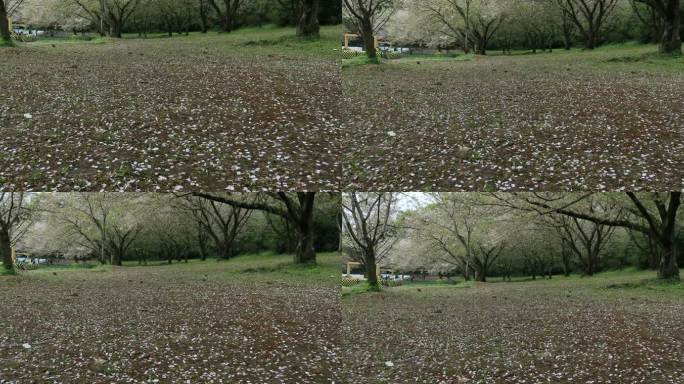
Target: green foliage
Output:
[
  {"x": 655, "y": 285},
  {"x": 358, "y": 290},
  {"x": 359, "y": 61},
  {"x": 7, "y": 272}
]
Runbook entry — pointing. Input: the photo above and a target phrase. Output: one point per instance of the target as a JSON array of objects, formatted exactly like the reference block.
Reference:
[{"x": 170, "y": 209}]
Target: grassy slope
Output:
[
  {"x": 628, "y": 55},
  {"x": 264, "y": 266},
  {"x": 271, "y": 38},
  {"x": 610, "y": 282}
]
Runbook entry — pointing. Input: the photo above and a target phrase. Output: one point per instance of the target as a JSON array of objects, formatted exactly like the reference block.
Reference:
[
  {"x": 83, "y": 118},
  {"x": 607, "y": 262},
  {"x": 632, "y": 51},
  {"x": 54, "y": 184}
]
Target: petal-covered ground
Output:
[
  {"x": 606, "y": 120},
  {"x": 197, "y": 323},
  {"x": 251, "y": 110},
  {"x": 563, "y": 331}
]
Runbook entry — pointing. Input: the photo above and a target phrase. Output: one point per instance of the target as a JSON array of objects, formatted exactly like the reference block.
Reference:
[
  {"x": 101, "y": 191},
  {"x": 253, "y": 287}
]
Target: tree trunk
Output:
[
  {"x": 204, "y": 22},
  {"x": 115, "y": 31},
  {"x": 591, "y": 263},
  {"x": 590, "y": 42},
  {"x": 308, "y": 22},
  {"x": 481, "y": 274},
  {"x": 6, "y": 248},
  {"x": 371, "y": 270},
  {"x": 305, "y": 252},
  {"x": 229, "y": 16},
  {"x": 226, "y": 249},
  {"x": 369, "y": 40},
  {"x": 5, "y": 33},
  {"x": 671, "y": 41},
  {"x": 203, "y": 247},
  {"x": 668, "y": 268}
]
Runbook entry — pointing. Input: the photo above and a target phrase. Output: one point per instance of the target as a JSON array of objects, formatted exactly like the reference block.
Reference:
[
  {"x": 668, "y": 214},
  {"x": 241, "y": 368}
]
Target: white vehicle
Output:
[
  {"x": 387, "y": 47},
  {"x": 355, "y": 49},
  {"x": 391, "y": 276},
  {"x": 356, "y": 277}
]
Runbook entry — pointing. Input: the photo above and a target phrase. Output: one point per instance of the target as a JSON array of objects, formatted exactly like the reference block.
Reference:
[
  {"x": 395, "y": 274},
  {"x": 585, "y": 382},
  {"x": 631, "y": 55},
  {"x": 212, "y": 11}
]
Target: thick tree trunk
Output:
[
  {"x": 6, "y": 248},
  {"x": 308, "y": 22},
  {"x": 228, "y": 22},
  {"x": 305, "y": 253},
  {"x": 482, "y": 47},
  {"x": 5, "y": 33},
  {"x": 115, "y": 30},
  {"x": 668, "y": 268},
  {"x": 203, "y": 247},
  {"x": 371, "y": 270},
  {"x": 590, "y": 42},
  {"x": 203, "y": 16},
  {"x": 229, "y": 16},
  {"x": 481, "y": 274},
  {"x": 226, "y": 249},
  {"x": 369, "y": 40},
  {"x": 591, "y": 263},
  {"x": 671, "y": 41}
]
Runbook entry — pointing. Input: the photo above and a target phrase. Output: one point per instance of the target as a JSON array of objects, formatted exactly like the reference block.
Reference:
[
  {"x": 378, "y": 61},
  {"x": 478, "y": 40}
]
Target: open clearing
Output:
[
  {"x": 602, "y": 120},
  {"x": 254, "y": 319},
  {"x": 605, "y": 329},
  {"x": 250, "y": 110}
]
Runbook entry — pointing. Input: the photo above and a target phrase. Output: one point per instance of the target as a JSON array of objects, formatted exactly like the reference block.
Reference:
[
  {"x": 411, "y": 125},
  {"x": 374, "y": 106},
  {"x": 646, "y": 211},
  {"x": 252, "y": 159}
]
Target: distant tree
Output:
[
  {"x": 589, "y": 16},
  {"x": 103, "y": 223},
  {"x": 473, "y": 22},
  {"x": 297, "y": 209},
  {"x": 367, "y": 17},
  {"x": 4, "y": 24},
  {"x": 463, "y": 233},
  {"x": 652, "y": 214},
  {"x": 309, "y": 25},
  {"x": 203, "y": 12},
  {"x": 110, "y": 16},
  {"x": 586, "y": 240},
  {"x": 228, "y": 13},
  {"x": 368, "y": 230},
  {"x": 14, "y": 215},
  {"x": 669, "y": 13},
  {"x": 221, "y": 222}
]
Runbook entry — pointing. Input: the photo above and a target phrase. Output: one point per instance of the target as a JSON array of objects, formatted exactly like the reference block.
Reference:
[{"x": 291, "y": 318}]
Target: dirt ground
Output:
[
  {"x": 564, "y": 331},
  {"x": 246, "y": 111},
  {"x": 199, "y": 323},
  {"x": 605, "y": 120}
]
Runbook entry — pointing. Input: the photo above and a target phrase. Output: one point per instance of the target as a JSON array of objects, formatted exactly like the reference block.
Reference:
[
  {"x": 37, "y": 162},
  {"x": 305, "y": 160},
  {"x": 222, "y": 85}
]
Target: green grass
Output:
[
  {"x": 269, "y": 38},
  {"x": 254, "y": 267},
  {"x": 358, "y": 61},
  {"x": 7, "y": 272},
  {"x": 630, "y": 55},
  {"x": 358, "y": 289},
  {"x": 362, "y": 287},
  {"x": 62, "y": 40},
  {"x": 609, "y": 283}
]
